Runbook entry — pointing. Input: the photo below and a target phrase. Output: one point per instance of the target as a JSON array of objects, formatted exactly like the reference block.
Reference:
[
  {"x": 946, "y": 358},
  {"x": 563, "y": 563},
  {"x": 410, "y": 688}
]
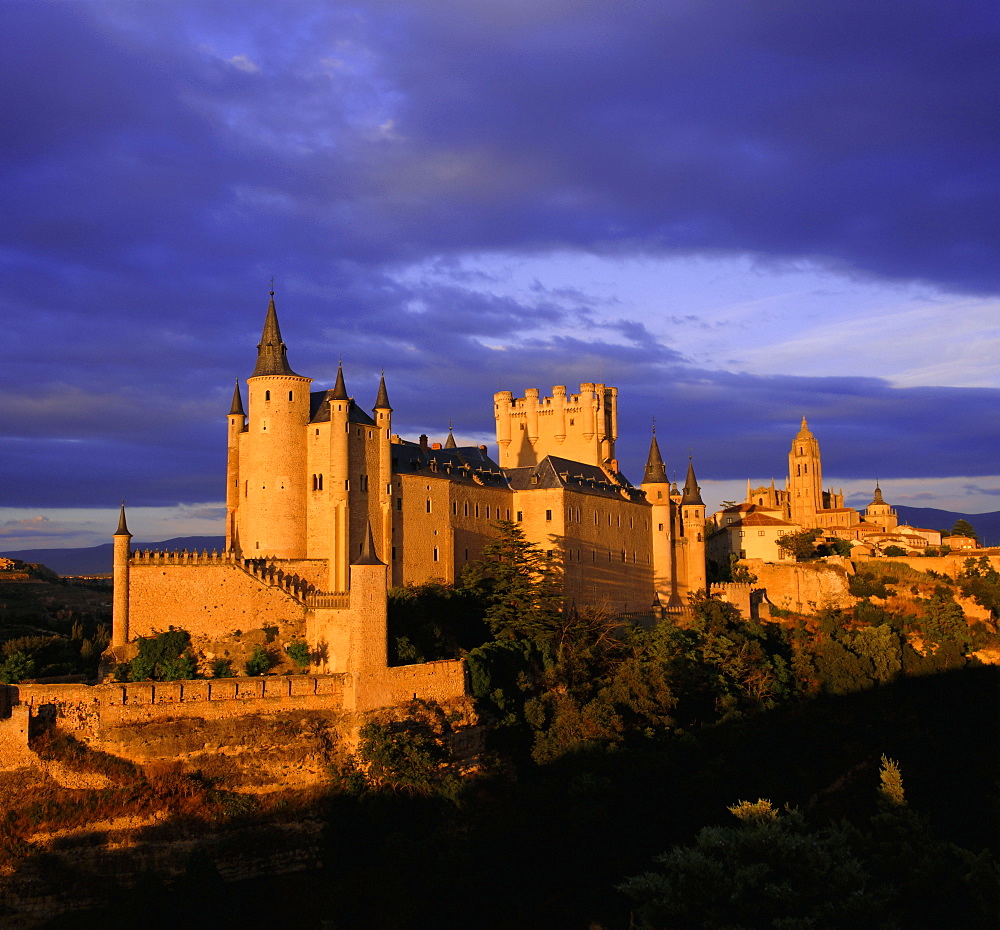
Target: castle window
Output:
[
  {"x": 364, "y": 482},
  {"x": 466, "y": 555},
  {"x": 435, "y": 553},
  {"x": 267, "y": 395},
  {"x": 659, "y": 495},
  {"x": 761, "y": 533},
  {"x": 399, "y": 503},
  {"x": 548, "y": 514},
  {"x": 508, "y": 515},
  {"x": 487, "y": 511},
  {"x": 630, "y": 526},
  {"x": 290, "y": 396},
  {"x": 661, "y": 527},
  {"x": 454, "y": 508},
  {"x": 465, "y": 509},
  {"x": 427, "y": 505},
  {"x": 393, "y": 553},
  {"x": 520, "y": 516},
  {"x": 315, "y": 487},
  {"x": 571, "y": 421},
  {"x": 477, "y": 510},
  {"x": 317, "y": 432}
]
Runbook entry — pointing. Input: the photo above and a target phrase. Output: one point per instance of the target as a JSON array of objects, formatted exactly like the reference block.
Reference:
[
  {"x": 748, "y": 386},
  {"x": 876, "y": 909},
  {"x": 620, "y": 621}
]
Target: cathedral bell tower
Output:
[{"x": 805, "y": 478}]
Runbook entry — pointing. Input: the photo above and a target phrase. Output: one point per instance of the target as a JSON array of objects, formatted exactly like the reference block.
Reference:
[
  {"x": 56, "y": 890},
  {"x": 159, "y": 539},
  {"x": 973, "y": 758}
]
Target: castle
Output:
[{"x": 326, "y": 508}]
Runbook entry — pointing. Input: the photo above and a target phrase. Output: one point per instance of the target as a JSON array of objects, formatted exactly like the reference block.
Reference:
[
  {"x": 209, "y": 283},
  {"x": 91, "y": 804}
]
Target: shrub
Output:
[
  {"x": 259, "y": 662},
  {"x": 298, "y": 652}
]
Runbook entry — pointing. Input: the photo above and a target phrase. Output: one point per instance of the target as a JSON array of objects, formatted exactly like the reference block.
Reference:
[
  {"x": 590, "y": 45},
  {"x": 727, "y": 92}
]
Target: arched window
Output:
[{"x": 267, "y": 395}]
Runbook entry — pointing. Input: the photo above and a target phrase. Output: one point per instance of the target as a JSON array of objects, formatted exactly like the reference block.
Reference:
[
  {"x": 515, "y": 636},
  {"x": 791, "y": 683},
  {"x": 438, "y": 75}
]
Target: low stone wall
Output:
[
  {"x": 432, "y": 681},
  {"x": 87, "y": 710},
  {"x": 950, "y": 565}
]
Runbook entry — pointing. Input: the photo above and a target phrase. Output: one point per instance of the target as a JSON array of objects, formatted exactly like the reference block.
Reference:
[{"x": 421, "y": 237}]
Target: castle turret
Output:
[
  {"x": 237, "y": 419},
  {"x": 662, "y": 520},
  {"x": 340, "y": 477},
  {"x": 272, "y": 520},
  {"x": 383, "y": 420},
  {"x": 367, "y": 643},
  {"x": 691, "y": 560},
  {"x": 120, "y": 598}
]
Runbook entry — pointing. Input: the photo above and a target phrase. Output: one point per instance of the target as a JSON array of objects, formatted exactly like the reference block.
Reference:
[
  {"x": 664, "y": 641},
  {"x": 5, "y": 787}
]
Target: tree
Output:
[
  {"x": 893, "y": 552},
  {"x": 164, "y": 657},
  {"x": 522, "y": 586},
  {"x": 801, "y": 545},
  {"x": 259, "y": 662},
  {"x": 964, "y": 528},
  {"x": 298, "y": 652},
  {"x": 16, "y": 667}
]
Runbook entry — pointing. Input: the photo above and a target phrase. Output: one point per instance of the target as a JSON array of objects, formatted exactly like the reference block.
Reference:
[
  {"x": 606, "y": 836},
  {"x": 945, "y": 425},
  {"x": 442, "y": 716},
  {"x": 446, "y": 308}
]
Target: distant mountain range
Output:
[{"x": 97, "y": 560}]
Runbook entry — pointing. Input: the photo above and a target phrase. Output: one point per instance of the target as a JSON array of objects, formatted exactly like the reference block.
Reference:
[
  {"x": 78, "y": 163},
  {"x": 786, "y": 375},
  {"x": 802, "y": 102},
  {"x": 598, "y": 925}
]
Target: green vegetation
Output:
[
  {"x": 260, "y": 661},
  {"x": 298, "y": 652},
  {"x": 964, "y": 528},
  {"x": 163, "y": 657}
]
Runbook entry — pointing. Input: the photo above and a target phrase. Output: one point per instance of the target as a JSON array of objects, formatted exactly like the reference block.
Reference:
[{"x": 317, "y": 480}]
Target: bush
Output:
[
  {"x": 298, "y": 652},
  {"x": 259, "y": 662},
  {"x": 164, "y": 657}
]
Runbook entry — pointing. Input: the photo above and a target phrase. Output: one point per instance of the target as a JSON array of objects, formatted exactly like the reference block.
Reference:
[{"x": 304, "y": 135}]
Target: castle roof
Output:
[
  {"x": 319, "y": 408},
  {"x": 556, "y": 472},
  {"x": 692, "y": 493},
  {"x": 271, "y": 351},
  {"x": 655, "y": 472},
  {"x": 122, "y": 525},
  {"x": 469, "y": 464},
  {"x": 382, "y": 401},
  {"x": 339, "y": 389},
  {"x": 236, "y": 408}
]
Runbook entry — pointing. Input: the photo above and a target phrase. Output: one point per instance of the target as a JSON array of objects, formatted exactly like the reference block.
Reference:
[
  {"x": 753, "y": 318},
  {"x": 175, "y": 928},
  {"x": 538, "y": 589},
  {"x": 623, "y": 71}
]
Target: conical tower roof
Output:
[
  {"x": 382, "y": 401},
  {"x": 692, "y": 493},
  {"x": 122, "y": 525},
  {"x": 655, "y": 472},
  {"x": 450, "y": 441},
  {"x": 339, "y": 387},
  {"x": 368, "y": 556},
  {"x": 271, "y": 351},
  {"x": 236, "y": 410}
]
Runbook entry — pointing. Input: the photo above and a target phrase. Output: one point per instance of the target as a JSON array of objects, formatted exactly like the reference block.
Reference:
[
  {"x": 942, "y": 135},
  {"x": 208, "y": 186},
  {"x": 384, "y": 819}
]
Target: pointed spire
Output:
[
  {"x": 271, "y": 351},
  {"x": 655, "y": 472},
  {"x": 339, "y": 388},
  {"x": 236, "y": 410},
  {"x": 368, "y": 556},
  {"x": 450, "y": 441},
  {"x": 692, "y": 493},
  {"x": 122, "y": 525},
  {"x": 878, "y": 494},
  {"x": 382, "y": 401}
]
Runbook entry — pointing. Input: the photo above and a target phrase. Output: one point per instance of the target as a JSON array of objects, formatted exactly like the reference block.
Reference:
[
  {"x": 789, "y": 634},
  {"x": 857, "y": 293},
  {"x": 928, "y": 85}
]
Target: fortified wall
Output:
[
  {"x": 92, "y": 713},
  {"x": 803, "y": 587}
]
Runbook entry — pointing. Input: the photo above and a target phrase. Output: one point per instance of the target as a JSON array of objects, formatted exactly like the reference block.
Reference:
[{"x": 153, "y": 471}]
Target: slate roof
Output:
[
  {"x": 467, "y": 464},
  {"x": 555, "y": 472},
  {"x": 319, "y": 409}
]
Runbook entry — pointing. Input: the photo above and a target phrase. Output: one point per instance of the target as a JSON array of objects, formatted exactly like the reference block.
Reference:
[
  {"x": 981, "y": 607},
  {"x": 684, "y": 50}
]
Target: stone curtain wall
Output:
[
  {"x": 442, "y": 681},
  {"x": 205, "y": 599}
]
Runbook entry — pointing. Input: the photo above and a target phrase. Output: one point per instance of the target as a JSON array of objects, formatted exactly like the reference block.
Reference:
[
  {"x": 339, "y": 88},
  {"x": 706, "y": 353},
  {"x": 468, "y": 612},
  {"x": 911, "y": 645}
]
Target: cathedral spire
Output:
[
  {"x": 692, "y": 493},
  {"x": 271, "y": 351},
  {"x": 655, "y": 472},
  {"x": 236, "y": 410},
  {"x": 450, "y": 441},
  {"x": 878, "y": 494},
  {"x": 382, "y": 401},
  {"x": 339, "y": 387}
]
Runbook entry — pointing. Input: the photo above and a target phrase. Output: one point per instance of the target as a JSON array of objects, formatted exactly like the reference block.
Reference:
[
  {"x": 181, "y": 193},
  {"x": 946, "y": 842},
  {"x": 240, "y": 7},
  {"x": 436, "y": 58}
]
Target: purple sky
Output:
[{"x": 736, "y": 212}]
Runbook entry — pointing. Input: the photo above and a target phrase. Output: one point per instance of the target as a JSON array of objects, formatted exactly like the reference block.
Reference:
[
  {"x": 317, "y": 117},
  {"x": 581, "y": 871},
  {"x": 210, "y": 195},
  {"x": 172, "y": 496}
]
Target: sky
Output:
[{"x": 739, "y": 213}]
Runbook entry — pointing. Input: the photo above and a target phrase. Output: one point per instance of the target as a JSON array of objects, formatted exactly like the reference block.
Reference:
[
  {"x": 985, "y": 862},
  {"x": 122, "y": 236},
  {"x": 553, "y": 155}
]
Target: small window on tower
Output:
[
  {"x": 267, "y": 395},
  {"x": 435, "y": 553},
  {"x": 289, "y": 395}
]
